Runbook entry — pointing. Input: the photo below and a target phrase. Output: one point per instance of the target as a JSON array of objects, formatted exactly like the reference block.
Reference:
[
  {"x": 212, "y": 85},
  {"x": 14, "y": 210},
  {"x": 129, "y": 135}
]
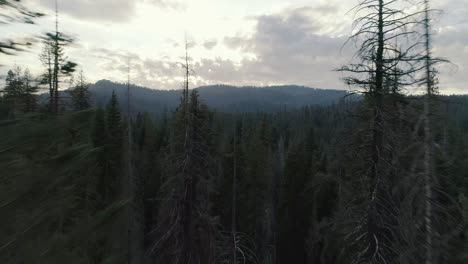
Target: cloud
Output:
[
  {"x": 294, "y": 46},
  {"x": 297, "y": 46},
  {"x": 168, "y": 4},
  {"x": 287, "y": 48},
  {"x": 210, "y": 44},
  {"x": 191, "y": 44},
  {"x": 113, "y": 10},
  {"x": 233, "y": 42},
  {"x": 160, "y": 73},
  {"x": 106, "y": 10},
  {"x": 451, "y": 42}
]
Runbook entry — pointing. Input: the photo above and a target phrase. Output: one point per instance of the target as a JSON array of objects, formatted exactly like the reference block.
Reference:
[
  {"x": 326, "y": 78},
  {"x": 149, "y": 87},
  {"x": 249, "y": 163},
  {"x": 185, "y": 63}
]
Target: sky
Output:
[{"x": 236, "y": 42}]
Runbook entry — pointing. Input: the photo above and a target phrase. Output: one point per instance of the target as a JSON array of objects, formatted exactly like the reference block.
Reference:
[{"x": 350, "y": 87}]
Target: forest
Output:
[{"x": 115, "y": 173}]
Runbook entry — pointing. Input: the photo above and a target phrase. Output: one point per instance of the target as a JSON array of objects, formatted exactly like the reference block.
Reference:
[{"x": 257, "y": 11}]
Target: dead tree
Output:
[
  {"x": 379, "y": 25},
  {"x": 428, "y": 138},
  {"x": 186, "y": 231}
]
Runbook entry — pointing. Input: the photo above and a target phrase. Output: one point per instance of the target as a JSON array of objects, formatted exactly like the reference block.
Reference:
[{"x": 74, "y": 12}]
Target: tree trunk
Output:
[
  {"x": 377, "y": 137},
  {"x": 234, "y": 190},
  {"x": 428, "y": 142}
]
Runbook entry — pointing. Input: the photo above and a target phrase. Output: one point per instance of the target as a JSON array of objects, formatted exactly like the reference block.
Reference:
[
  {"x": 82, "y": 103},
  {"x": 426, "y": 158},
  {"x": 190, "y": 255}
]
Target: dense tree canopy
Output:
[{"x": 248, "y": 175}]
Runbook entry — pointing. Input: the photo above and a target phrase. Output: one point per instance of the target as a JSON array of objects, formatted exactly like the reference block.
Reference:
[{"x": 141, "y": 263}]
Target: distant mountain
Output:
[{"x": 220, "y": 97}]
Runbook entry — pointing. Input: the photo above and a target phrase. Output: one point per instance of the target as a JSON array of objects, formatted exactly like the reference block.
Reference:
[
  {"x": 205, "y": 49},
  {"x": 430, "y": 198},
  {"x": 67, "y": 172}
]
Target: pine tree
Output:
[
  {"x": 234, "y": 198},
  {"x": 80, "y": 94},
  {"x": 13, "y": 91},
  {"x": 296, "y": 203},
  {"x": 113, "y": 150},
  {"x": 99, "y": 131},
  {"x": 378, "y": 32},
  {"x": 428, "y": 155},
  {"x": 29, "y": 92},
  {"x": 57, "y": 66},
  {"x": 187, "y": 231},
  {"x": 441, "y": 221},
  {"x": 20, "y": 91},
  {"x": 261, "y": 174}
]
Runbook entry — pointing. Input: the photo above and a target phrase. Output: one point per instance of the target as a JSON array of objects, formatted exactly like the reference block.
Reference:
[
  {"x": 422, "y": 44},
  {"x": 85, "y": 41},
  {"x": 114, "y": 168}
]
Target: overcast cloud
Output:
[
  {"x": 285, "y": 48},
  {"x": 105, "y": 10}
]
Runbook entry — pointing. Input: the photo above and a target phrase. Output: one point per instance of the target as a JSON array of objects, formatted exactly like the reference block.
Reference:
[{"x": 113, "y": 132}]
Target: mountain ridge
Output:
[{"x": 221, "y": 97}]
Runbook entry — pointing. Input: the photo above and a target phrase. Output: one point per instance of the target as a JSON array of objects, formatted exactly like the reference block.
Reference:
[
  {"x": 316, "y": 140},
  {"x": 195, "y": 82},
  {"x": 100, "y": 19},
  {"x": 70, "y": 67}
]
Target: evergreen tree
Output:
[
  {"x": 188, "y": 230},
  {"x": 260, "y": 175},
  {"x": 30, "y": 89},
  {"x": 113, "y": 150},
  {"x": 311, "y": 185},
  {"x": 20, "y": 91},
  {"x": 80, "y": 94},
  {"x": 57, "y": 66},
  {"x": 99, "y": 131},
  {"x": 296, "y": 203},
  {"x": 49, "y": 191},
  {"x": 13, "y": 89}
]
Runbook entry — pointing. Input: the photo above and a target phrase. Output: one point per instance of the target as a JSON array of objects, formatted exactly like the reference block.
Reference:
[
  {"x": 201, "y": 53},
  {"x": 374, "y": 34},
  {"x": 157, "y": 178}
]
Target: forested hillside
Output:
[
  {"x": 221, "y": 97},
  {"x": 116, "y": 173}
]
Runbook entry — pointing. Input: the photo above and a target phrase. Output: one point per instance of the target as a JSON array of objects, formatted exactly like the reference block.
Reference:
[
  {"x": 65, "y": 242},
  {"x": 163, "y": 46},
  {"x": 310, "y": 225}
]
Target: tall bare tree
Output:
[
  {"x": 186, "y": 232},
  {"x": 428, "y": 136},
  {"x": 380, "y": 25},
  {"x": 47, "y": 59}
]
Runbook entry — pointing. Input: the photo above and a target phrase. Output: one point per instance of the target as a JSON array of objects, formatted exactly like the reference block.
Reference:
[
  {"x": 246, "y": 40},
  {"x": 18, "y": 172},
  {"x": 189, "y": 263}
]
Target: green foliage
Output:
[
  {"x": 80, "y": 94},
  {"x": 186, "y": 228},
  {"x": 287, "y": 185},
  {"x": 111, "y": 158},
  {"x": 99, "y": 130},
  {"x": 49, "y": 191},
  {"x": 57, "y": 65},
  {"x": 298, "y": 196},
  {"x": 20, "y": 92}
]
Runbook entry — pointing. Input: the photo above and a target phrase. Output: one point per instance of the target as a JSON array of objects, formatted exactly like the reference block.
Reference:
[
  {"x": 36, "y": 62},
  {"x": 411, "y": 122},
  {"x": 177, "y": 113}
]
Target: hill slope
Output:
[{"x": 219, "y": 97}]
